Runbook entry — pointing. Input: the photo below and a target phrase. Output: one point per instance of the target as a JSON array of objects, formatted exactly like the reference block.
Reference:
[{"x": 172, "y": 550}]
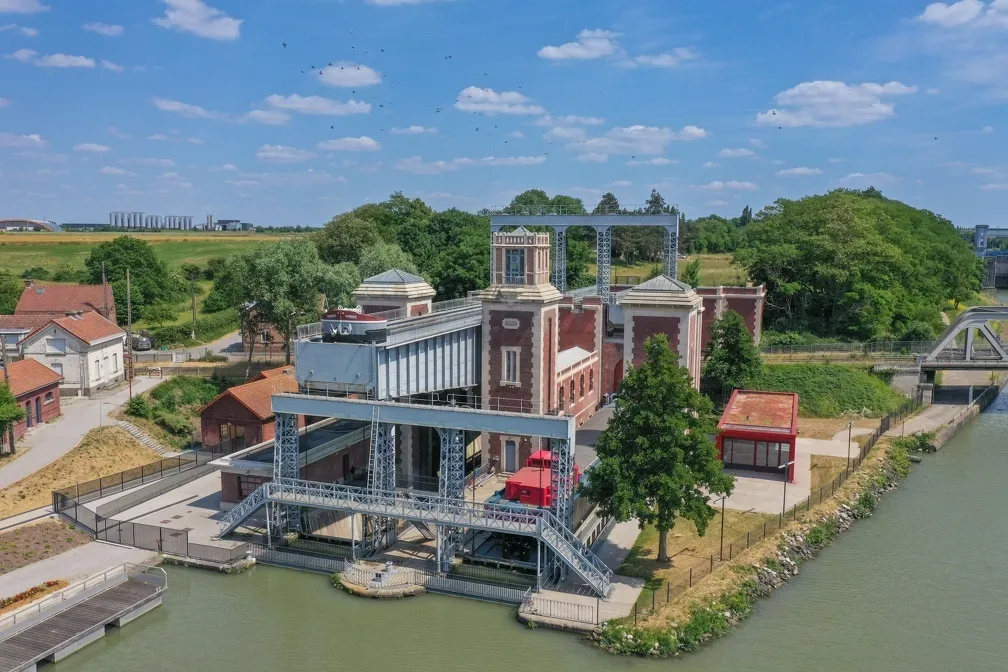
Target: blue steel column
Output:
[
  {"x": 603, "y": 237},
  {"x": 560, "y": 258},
  {"x": 562, "y": 480},
  {"x": 451, "y": 485},
  {"x": 286, "y": 458},
  {"x": 381, "y": 474},
  {"x": 672, "y": 249}
]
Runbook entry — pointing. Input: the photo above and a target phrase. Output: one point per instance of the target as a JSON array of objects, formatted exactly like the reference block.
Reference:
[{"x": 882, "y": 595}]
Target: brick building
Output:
[
  {"x": 395, "y": 290},
  {"x": 242, "y": 416},
  {"x": 36, "y": 389},
  {"x": 758, "y": 431}
]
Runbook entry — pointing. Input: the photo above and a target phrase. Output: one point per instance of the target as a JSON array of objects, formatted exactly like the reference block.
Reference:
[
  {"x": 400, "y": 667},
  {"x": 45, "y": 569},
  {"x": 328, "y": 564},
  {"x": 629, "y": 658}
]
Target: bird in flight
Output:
[{"x": 285, "y": 45}]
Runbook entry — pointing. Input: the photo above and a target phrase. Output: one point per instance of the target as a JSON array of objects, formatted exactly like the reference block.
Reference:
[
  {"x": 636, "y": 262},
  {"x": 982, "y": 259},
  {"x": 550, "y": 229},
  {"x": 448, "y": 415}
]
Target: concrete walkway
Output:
[
  {"x": 48, "y": 442},
  {"x": 74, "y": 565}
]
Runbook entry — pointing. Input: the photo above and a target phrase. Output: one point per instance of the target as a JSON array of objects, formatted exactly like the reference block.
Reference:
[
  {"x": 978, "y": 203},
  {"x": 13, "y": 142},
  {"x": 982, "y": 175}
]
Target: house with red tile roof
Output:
[
  {"x": 84, "y": 348},
  {"x": 36, "y": 389},
  {"x": 15, "y": 328},
  {"x": 58, "y": 300},
  {"x": 242, "y": 416}
]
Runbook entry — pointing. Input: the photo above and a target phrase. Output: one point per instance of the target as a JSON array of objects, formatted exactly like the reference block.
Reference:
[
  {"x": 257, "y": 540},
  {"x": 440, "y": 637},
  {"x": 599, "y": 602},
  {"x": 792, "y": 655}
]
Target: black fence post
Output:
[
  {"x": 122, "y": 481},
  {"x": 690, "y": 577}
]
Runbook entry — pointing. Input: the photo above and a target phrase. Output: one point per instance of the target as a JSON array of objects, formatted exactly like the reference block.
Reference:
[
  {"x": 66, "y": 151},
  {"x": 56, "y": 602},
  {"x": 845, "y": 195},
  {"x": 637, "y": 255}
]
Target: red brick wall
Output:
[
  {"x": 612, "y": 360},
  {"x": 500, "y": 337},
  {"x": 228, "y": 411},
  {"x": 50, "y": 411},
  {"x": 746, "y": 307},
  {"x": 229, "y": 488},
  {"x": 419, "y": 309},
  {"x": 577, "y": 329},
  {"x": 647, "y": 326},
  {"x": 551, "y": 321},
  {"x": 526, "y": 446},
  {"x": 709, "y": 315},
  {"x": 584, "y": 405},
  {"x": 330, "y": 469}
]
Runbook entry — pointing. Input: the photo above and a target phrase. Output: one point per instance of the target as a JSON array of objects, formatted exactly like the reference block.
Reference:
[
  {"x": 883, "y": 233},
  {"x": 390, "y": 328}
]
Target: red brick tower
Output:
[{"x": 520, "y": 322}]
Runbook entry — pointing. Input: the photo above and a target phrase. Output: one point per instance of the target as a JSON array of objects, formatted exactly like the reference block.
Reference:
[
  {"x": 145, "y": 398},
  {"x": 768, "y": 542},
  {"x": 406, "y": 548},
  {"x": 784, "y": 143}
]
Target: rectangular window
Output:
[
  {"x": 115, "y": 361},
  {"x": 572, "y": 393},
  {"x": 560, "y": 397},
  {"x": 57, "y": 367},
  {"x": 515, "y": 265},
  {"x": 581, "y": 389},
  {"x": 56, "y": 345},
  {"x": 509, "y": 366},
  {"x": 97, "y": 369},
  {"x": 104, "y": 367},
  {"x": 761, "y": 454},
  {"x": 49, "y": 398},
  {"x": 743, "y": 452},
  {"x": 591, "y": 379}
]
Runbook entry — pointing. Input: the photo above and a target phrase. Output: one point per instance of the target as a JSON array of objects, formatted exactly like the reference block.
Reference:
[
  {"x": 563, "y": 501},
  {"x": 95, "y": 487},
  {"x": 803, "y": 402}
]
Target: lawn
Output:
[
  {"x": 686, "y": 548},
  {"x": 715, "y": 269},
  {"x": 827, "y": 428},
  {"x": 24, "y": 249},
  {"x": 28, "y": 544},
  {"x": 102, "y": 451},
  {"x": 830, "y": 390},
  {"x": 183, "y": 309}
]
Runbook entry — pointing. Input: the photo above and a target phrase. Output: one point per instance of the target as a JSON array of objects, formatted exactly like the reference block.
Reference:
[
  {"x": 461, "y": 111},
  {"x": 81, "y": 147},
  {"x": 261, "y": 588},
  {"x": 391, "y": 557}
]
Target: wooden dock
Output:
[{"x": 55, "y": 635}]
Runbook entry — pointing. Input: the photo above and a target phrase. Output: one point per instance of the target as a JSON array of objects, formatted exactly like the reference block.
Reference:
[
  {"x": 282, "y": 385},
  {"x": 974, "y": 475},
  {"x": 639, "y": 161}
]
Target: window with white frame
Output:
[
  {"x": 115, "y": 361},
  {"x": 97, "y": 369},
  {"x": 56, "y": 345},
  {"x": 509, "y": 366},
  {"x": 56, "y": 366}
]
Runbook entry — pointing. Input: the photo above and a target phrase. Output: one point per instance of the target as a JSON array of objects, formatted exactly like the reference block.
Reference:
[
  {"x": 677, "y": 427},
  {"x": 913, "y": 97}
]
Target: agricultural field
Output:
[
  {"x": 22, "y": 250},
  {"x": 715, "y": 269}
]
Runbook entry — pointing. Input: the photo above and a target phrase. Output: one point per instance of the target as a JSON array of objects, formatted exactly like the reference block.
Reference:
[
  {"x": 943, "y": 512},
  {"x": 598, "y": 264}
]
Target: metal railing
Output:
[
  {"x": 561, "y": 610},
  {"x": 543, "y": 210},
  {"x": 906, "y": 348},
  {"x": 400, "y": 315},
  {"x": 284, "y": 557},
  {"x": 74, "y": 590},
  {"x": 434, "y": 581},
  {"x": 566, "y": 544}
]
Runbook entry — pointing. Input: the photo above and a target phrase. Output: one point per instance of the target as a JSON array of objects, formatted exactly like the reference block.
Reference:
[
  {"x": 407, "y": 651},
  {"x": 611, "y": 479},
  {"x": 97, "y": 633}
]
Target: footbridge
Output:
[
  {"x": 422, "y": 354},
  {"x": 447, "y": 512},
  {"x": 957, "y": 347}
]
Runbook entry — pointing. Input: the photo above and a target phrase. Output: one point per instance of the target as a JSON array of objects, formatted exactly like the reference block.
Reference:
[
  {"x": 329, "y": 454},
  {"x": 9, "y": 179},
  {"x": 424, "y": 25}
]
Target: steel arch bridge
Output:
[{"x": 971, "y": 322}]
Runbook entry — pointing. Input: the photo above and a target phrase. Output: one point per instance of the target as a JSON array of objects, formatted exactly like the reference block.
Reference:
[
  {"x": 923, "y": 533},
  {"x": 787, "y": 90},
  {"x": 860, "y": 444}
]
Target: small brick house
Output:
[
  {"x": 758, "y": 431},
  {"x": 242, "y": 416},
  {"x": 36, "y": 388}
]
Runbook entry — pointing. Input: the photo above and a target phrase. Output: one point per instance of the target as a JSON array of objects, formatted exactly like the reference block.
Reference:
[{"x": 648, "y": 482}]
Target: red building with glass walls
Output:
[{"x": 758, "y": 431}]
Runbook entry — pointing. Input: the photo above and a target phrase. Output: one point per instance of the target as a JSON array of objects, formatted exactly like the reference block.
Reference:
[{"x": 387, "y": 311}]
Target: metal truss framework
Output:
[
  {"x": 435, "y": 509},
  {"x": 286, "y": 464},
  {"x": 381, "y": 478},
  {"x": 560, "y": 259},
  {"x": 451, "y": 484},
  {"x": 671, "y": 255},
  {"x": 971, "y": 322}
]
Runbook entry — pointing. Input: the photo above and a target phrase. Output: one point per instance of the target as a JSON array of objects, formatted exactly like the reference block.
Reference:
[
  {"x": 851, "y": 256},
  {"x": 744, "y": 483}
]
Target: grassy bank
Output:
[
  {"x": 170, "y": 411},
  {"x": 831, "y": 390},
  {"x": 102, "y": 451},
  {"x": 728, "y": 595}
]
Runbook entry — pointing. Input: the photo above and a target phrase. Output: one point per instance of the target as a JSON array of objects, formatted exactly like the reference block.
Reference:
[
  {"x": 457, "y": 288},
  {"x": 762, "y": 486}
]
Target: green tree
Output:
[
  {"x": 531, "y": 201},
  {"x": 382, "y": 257},
  {"x": 278, "y": 284},
  {"x": 745, "y": 217},
  {"x": 338, "y": 284},
  {"x": 345, "y": 238},
  {"x": 158, "y": 314},
  {"x": 579, "y": 255},
  {"x": 10, "y": 414},
  {"x": 731, "y": 359},
  {"x": 657, "y": 462},
  {"x": 608, "y": 204},
  {"x": 691, "y": 272},
  {"x": 151, "y": 281},
  {"x": 10, "y": 292},
  {"x": 464, "y": 267},
  {"x": 655, "y": 204}
]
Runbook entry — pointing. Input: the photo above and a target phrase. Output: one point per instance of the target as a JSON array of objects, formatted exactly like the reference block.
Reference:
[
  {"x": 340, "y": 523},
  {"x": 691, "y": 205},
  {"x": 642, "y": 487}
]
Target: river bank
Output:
[{"x": 714, "y": 607}]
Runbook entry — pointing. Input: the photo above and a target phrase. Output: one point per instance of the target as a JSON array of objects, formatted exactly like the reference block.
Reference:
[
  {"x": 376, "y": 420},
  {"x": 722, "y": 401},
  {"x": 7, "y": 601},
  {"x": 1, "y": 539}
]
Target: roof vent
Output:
[{"x": 40, "y": 290}]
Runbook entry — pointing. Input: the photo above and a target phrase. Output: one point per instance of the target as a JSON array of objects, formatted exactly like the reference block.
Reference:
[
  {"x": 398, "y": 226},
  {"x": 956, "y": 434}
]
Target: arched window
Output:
[
  {"x": 591, "y": 379},
  {"x": 581, "y": 387}
]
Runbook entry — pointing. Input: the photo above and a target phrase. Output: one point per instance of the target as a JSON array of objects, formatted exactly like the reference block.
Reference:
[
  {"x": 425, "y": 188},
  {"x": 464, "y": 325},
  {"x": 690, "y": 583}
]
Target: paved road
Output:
[
  {"x": 74, "y": 565},
  {"x": 50, "y": 441}
]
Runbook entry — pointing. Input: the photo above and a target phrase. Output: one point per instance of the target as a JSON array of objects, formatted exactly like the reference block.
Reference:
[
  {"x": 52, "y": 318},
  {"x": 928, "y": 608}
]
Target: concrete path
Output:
[
  {"x": 74, "y": 565},
  {"x": 930, "y": 419},
  {"x": 615, "y": 546},
  {"x": 51, "y": 441}
]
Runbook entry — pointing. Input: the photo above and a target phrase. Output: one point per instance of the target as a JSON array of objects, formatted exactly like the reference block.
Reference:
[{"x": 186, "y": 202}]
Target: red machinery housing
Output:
[{"x": 530, "y": 485}]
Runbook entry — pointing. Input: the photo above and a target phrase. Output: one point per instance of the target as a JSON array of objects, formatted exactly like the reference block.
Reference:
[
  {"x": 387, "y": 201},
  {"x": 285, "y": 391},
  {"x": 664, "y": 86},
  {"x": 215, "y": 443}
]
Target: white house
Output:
[{"x": 86, "y": 349}]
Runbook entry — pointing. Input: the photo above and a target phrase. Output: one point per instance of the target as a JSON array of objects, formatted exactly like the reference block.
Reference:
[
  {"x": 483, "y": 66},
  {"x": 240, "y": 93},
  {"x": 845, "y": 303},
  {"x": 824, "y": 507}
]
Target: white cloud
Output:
[
  {"x": 475, "y": 99},
  {"x": 229, "y": 167},
  {"x": 346, "y": 73},
  {"x": 933, "y": 91},
  {"x": 994, "y": 187},
  {"x": 667, "y": 60},
  {"x": 115, "y": 132},
  {"x": 186, "y": 110},
  {"x": 196, "y": 17},
  {"x": 268, "y": 117},
  {"x": 160, "y": 163},
  {"x": 196, "y": 141},
  {"x": 317, "y": 105},
  {"x": 711, "y": 164},
  {"x": 567, "y": 120},
  {"x": 565, "y": 133},
  {"x": 658, "y": 161},
  {"x": 736, "y": 153},
  {"x": 91, "y": 147},
  {"x": 590, "y": 44},
  {"x": 638, "y": 139},
  {"x": 516, "y": 134},
  {"x": 114, "y": 67},
  {"x": 110, "y": 30},
  {"x": 33, "y": 140},
  {"x": 413, "y": 130},
  {"x": 831, "y": 103},
  {"x": 731, "y": 185},
  {"x": 283, "y": 154},
  {"x": 799, "y": 171},
  {"x": 987, "y": 129},
  {"x": 622, "y": 183},
  {"x": 361, "y": 144},
  {"x": 756, "y": 142},
  {"x": 874, "y": 178},
  {"x": 22, "y": 7},
  {"x": 112, "y": 170},
  {"x": 175, "y": 180},
  {"x": 953, "y": 14},
  {"x": 157, "y": 136},
  {"x": 24, "y": 30},
  {"x": 592, "y": 157},
  {"x": 51, "y": 60},
  {"x": 416, "y": 164},
  {"x": 5, "y": 102},
  {"x": 23, "y": 55}
]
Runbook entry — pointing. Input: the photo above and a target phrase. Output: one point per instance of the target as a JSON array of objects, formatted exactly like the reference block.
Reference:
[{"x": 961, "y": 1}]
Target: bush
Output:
[
  {"x": 829, "y": 390},
  {"x": 208, "y": 328},
  {"x": 67, "y": 273},
  {"x": 215, "y": 301},
  {"x": 173, "y": 423},
  {"x": 35, "y": 273},
  {"x": 139, "y": 407},
  {"x": 918, "y": 442},
  {"x": 918, "y": 331}
]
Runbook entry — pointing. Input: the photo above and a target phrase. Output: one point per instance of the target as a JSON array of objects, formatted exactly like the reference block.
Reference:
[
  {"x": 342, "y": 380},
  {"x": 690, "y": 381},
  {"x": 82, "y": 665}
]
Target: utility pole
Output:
[
  {"x": 192, "y": 291},
  {"x": 3, "y": 364},
  {"x": 129, "y": 332},
  {"x": 104, "y": 285}
]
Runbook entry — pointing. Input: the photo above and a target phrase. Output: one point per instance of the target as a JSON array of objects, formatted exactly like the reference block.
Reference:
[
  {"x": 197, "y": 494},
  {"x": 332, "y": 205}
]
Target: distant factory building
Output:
[{"x": 21, "y": 224}]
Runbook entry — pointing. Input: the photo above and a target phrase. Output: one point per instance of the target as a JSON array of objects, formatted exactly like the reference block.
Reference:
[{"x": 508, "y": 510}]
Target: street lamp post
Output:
[
  {"x": 784, "y": 500},
  {"x": 850, "y": 429},
  {"x": 722, "y": 525}
]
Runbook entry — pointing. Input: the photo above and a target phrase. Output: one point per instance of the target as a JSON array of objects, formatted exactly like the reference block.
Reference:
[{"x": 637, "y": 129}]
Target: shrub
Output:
[
  {"x": 829, "y": 390},
  {"x": 918, "y": 442},
  {"x": 918, "y": 331},
  {"x": 35, "y": 273},
  {"x": 208, "y": 328},
  {"x": 67, "y": 273},
  {"x": 173, "y": 423},
  {"x": 139, "y": 407}
]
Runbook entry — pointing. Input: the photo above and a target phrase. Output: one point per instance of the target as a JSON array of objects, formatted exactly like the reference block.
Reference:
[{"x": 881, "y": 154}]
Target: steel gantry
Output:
[
  {"x": 382, "y": 477},
  {"x": 451, "y": 486},
  {"x": 286, "y": 464},
  {"x": 559, "y": 260},
  {"x": 603, "y": 259},
  {"x": 671, "y": 256}
]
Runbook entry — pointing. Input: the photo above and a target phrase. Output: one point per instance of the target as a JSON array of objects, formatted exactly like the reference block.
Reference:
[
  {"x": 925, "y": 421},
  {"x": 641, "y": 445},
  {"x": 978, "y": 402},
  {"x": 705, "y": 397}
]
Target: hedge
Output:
[{"x": 208, "y": 328}]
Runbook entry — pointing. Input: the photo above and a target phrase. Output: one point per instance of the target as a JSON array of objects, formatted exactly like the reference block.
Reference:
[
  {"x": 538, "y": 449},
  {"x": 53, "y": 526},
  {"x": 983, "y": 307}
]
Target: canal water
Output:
[{"x": 921, "y": 586}]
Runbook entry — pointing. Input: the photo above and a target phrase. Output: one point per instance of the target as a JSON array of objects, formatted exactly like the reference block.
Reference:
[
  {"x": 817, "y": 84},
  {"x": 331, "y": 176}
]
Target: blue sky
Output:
[{"x": 194, "y": 107}]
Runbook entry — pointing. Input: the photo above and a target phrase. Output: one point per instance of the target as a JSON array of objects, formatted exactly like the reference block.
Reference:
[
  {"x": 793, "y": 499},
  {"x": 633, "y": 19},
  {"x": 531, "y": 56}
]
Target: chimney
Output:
[{"x": 28, "y": 282}]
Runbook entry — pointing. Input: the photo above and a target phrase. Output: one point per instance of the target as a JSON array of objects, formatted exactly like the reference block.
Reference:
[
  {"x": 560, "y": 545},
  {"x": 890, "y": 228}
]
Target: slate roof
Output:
[
  {"x": 394, "y": 277},
  {"x": 663, "y": 283}
]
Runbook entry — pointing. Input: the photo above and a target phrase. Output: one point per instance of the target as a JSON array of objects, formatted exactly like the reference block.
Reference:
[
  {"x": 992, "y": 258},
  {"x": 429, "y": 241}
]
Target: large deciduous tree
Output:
[
  {"x": 607, "y": 205},
  {"x": 10, "y": 292},
  {"x": 382, "y": 257},
  {"x": 151, "y": 280},
  {"x": 464, "y": 267},
  {"x": 657, "y": 462},
  {"x": 345, "y": 238},
  {"x": 731, "y": 359}
]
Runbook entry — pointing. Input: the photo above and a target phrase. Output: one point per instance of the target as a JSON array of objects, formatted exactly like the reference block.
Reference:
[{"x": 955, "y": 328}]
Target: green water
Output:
[{"x": 921, "y": 586}]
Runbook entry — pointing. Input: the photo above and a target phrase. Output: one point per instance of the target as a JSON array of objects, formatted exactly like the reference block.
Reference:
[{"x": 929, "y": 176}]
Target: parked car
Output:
[{"x": 141, "y": 342}]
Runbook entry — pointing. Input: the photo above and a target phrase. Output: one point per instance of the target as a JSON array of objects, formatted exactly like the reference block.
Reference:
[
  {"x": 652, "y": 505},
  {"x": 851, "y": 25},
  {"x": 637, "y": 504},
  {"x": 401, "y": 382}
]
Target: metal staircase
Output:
[
  {"x": 424, "y": 531},
  {"x": 431, "y": 510}
]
